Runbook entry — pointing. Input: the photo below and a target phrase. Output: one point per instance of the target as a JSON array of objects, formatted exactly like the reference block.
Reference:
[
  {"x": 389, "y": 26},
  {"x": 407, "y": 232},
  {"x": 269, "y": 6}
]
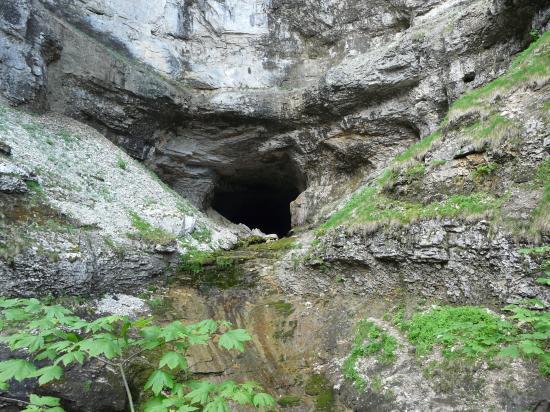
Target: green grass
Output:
[
  {"x": 531, "y": 64},
  {"x": 472, "y": 332},
  {"x": 121, "y": 163},
  {"x": 370, "y": 205},
  {"x": 148, "y": 232},
  {"x": 419, "y": 148},
  {"x": 370, "y": 340}
]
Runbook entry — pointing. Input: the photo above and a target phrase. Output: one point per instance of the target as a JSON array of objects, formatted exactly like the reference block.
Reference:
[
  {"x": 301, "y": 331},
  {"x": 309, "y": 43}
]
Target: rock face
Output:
[
  {"x": 452, "y": 260},
  {"x": 79, "y": 216},
  {"x": 270, "y": 113},
  {"x": 296, "y": 97}
]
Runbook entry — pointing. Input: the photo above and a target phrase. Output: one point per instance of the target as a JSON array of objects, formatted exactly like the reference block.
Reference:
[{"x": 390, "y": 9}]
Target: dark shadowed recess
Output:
[{"x": 260, "y": 197}]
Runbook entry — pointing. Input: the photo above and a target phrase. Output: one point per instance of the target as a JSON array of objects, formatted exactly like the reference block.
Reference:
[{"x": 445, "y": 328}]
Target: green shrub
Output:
[{"x": 56, "y": 338}]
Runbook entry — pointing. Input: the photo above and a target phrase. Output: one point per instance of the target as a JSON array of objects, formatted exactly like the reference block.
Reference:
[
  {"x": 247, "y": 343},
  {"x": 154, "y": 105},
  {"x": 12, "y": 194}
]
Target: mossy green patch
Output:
[
  {"x": 289, "y": 401},
  {"x": 319, "y": 387},
  {"x": 471, "y": 332},
  {"x": 148, "y": 232},
  {"x": 283, "y": 308},
  {"x": 211, "y": 269}
]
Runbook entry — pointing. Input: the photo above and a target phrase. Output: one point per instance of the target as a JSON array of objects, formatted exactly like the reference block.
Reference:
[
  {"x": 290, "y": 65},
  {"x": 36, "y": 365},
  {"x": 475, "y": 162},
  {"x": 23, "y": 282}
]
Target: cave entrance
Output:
[{"x": 259, "y": 198}]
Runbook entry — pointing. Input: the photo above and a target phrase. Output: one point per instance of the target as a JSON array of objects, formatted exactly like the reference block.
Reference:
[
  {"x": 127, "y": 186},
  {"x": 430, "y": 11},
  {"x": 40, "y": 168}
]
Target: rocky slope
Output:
[{"x": 410, "y": 138}]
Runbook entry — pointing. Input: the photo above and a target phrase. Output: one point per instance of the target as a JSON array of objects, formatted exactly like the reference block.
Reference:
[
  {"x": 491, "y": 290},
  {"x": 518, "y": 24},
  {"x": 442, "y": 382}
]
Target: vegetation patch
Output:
[
  {"x": 289, "y": 401},
  {"x": 485, "y": 169},
  {"x": 148, "y": 232},
  {"x": 530, "y": 65},
  {"x": 280, "y": 245},
  {"x": 319, "y": 387},
  {"x": 369, "y": 205},
  {"x": 541, "y": 215},
  {"x": 283, "y": 308},
  {"x": 370, "y": 340},
  {"x": 472, "y": 332},
  {"x": 211, "y": 269},
  {"x": 52, "y": 338}
]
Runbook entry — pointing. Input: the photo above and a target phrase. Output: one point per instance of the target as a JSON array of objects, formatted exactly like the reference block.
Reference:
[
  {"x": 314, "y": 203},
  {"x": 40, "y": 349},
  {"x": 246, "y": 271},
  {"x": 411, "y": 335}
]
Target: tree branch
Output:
[
  {"x": 127, "y": 387},
  {"x": 13, "y": 400}
]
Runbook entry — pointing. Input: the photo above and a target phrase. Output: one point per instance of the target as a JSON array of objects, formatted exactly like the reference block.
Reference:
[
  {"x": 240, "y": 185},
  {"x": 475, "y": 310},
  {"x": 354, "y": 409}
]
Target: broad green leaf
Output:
[
  {"x": 104, "y": 346},
  {"x": 56, "y": 311},
  {"x": 70, "y": 357},
  {"x": 48, "y": 374},
  {"x": 200, "y": 392},
  {"x": 18, "y": 369},
  {"x": 4, "y": 386},
  {"x": 47, "y": 354},
  {"x": 197, "y": 339},
  {"x": 173, "y": 360},
  {"x": 174, "y": 331},
  {"x": 9, "y": 303},
  {"x": 543, "y": 281},
  {"x": 242, "y": 397},
  {"x": 158, "y": 381},
  {"x": 44, "y": 400},
  {"x": 155, "y": 405},
  {"x": 187, "y": 408},
  {"x": 15, "y": 314},
  {"x": 234, "y": 339},
  {"x": 208, "y": 326},
  {"x": 217, "y": 405},
  {"x": 263, "y": 400}
]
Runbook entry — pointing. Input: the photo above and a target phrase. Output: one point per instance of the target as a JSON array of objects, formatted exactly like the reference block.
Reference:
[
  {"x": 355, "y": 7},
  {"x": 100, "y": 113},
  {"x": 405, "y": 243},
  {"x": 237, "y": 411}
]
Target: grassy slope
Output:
[{"x": 370, "y": 205}]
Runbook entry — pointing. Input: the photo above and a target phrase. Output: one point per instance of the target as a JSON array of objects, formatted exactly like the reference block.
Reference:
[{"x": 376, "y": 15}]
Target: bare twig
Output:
[
  {"x": 14, "y": 400},
  {"x": 128, "y": 392}
]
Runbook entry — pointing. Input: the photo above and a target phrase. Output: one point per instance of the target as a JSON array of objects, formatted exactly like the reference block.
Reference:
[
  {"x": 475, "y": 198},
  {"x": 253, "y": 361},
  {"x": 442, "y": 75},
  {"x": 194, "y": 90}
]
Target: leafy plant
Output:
[
  {"x": 58, "y": 338},
  {"x": 485, "y": 169},
  {"x": 370, "y": 340},
  {"x": 474, "y": 332}
]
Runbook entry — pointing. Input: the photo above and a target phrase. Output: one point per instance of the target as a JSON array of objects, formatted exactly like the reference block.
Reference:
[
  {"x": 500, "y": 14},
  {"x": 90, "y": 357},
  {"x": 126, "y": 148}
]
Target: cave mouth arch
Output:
[{"x": 259, "y": 198}]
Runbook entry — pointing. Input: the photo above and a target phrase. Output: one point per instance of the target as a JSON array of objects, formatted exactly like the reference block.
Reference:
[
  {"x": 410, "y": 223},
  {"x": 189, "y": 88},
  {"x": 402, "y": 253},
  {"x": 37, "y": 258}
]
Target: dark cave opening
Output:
[{"x": 258, "y": 199}]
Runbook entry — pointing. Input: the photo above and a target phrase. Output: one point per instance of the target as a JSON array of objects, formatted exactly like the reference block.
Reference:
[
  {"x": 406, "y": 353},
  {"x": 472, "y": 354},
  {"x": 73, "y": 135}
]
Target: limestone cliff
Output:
[{"x": 404, "y": 144}]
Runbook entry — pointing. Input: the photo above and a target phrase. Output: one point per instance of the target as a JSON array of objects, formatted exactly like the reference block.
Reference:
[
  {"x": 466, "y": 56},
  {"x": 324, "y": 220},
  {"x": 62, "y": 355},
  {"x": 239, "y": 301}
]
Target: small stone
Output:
[{"x": 5, "y": 149}]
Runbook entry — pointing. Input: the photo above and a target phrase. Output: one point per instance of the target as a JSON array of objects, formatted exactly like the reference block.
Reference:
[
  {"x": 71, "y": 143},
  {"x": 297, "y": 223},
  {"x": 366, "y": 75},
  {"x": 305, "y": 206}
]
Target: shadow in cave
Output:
[{"x": 258, "y": 200}]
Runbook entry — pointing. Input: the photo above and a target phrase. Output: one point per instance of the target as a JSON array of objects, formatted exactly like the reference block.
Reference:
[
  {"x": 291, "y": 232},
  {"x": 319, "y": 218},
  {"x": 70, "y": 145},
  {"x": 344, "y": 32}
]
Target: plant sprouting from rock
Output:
[{"x": 54, "y": 336}]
